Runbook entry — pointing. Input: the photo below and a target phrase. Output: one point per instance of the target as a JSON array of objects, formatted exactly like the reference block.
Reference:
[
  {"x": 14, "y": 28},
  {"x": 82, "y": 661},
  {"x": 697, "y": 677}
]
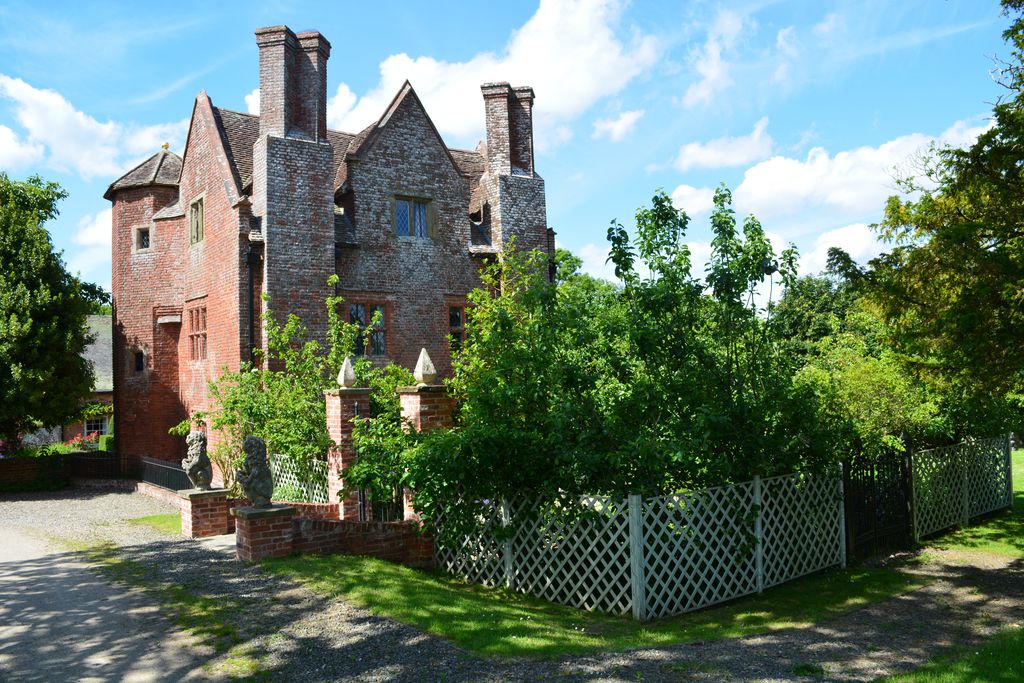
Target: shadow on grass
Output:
[
  {"x": 494, "y": 621},
  {"x": 998, "y": 660}
]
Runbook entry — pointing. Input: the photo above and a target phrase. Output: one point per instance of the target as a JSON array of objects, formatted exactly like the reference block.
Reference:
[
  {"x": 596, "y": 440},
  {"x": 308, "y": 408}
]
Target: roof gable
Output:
[{"x": 406, "y": 96}]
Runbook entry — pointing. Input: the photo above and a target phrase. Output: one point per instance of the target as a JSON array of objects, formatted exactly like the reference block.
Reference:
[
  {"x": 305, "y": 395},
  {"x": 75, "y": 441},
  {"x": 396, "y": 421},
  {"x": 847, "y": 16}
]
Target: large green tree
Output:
[
  {"x": 43, "y": 377},
  {"x": 952, "y": 285}
]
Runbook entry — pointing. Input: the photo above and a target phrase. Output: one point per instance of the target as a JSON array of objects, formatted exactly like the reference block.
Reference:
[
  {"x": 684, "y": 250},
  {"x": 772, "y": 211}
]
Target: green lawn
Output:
[
  {"x": 170, "y": 524},
  {"x": 1001, "y": 534},
  {"x": 999, "y": 660},
  {"x": 498, "y": 622}
]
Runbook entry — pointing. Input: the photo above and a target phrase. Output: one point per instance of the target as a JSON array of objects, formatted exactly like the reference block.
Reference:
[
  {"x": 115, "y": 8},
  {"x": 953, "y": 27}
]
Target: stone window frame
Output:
[
  {"x": 136, "y": 231},
  {"x": 413, "y": 200},
  {"x": 196, "y": 236}
]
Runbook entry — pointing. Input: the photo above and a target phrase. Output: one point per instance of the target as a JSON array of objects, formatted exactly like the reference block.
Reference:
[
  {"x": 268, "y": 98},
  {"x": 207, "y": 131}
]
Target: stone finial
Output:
[
  {"x": 425, "y": 372},
  {"x": 347, "y": 374}
]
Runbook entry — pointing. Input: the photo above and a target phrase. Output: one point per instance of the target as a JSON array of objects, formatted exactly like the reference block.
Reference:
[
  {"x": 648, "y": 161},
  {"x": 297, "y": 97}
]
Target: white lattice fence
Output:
[
  {"x": 660, "y": 556},
  {"x": 989, "y": 485},
  {"x": 699, "y": 549},
  {"x": 803, "y": 526},
  {"x": 293, "y": 484},
  {"x": 952, "y": 484}
]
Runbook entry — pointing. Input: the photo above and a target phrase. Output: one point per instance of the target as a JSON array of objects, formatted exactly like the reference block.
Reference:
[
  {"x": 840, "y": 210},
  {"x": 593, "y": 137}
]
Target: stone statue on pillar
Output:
[
  {"x": 197, "y": 463},
  {"x": 254, "y": 476}
]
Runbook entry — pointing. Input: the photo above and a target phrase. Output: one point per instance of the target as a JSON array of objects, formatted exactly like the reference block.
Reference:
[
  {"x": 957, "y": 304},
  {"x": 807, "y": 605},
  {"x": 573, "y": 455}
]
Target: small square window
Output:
[
  {"x": 96, "y": 425},
  {"x": 140, "y": 361},
  {"x": 142, "y": 239}
]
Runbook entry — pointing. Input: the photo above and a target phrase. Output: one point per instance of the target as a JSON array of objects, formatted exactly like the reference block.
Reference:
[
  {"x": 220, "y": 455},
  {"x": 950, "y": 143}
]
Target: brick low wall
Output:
[
  {"x": 34, "y": 474},
  {"x": 313, "y": 510},
  {"x": 398, "y": 542}
]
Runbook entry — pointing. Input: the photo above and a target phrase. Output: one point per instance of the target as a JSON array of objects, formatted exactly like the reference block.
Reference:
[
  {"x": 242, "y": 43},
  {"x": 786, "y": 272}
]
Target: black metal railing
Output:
[
  {"x": 168, "y": 475},
  {"x": 381, "y": 511},
  {"x": 101, "y": 465}
]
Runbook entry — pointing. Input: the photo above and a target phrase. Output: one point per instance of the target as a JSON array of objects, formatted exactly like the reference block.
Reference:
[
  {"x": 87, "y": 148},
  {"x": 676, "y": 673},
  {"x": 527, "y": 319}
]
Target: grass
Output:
[
  {"x": 1000, "y": 534},
  {"x": 169, "y": 524},
  {"x": 998, "y": 660},
  {"x": 492, "y": 621}
]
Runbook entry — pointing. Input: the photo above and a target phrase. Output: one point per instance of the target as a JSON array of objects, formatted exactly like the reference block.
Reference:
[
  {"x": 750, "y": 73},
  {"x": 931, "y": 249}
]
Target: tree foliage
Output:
[
  {"x": 952, "y": 285},
  {"x": 670, "y": 381},
  {"x": 43, "y": 333}
]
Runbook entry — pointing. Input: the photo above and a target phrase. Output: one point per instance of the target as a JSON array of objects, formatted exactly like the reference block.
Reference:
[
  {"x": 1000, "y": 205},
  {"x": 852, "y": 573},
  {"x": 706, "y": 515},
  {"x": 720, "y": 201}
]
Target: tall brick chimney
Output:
[
  {"x": 509, "y": 117},
  {"x": 520, "y": 115},
  {"x": 293, "y": 174},
  {"x": 293, "y": 83}
]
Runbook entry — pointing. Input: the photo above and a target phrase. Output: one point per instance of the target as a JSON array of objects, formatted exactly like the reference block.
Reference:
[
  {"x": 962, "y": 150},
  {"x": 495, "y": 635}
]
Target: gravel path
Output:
[{"x": 297, "y": 635}]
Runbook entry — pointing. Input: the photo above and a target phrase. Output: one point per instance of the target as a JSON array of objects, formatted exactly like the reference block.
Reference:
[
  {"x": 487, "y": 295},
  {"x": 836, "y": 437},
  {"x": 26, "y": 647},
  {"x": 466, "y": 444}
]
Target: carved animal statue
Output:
[
  {"x": 197, "y": 464},
  {"x": 254, "y": 476}
]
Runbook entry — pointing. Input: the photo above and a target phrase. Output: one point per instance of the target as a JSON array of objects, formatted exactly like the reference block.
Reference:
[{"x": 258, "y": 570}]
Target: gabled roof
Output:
[
  {"x": 161, "y": 169},
  {"x": 240, "y": 131},
  {"x": 101, "y": 352},
  {"x": 364, "y": 142}
]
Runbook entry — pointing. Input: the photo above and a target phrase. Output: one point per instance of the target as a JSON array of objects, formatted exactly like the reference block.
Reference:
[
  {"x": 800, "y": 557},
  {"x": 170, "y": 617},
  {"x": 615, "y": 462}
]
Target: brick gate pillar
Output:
[
  {"x": 426, "y": 406},
  {"x": 343, "y": 405}
]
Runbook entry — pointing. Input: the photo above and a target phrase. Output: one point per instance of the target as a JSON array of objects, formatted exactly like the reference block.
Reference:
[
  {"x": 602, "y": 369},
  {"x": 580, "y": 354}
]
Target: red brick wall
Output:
[
  {"x": 341, "y": 408},
  {"x": 213, "y": 272},
  {"x": 146, "y": 403},
  {"x": 399, "y": 542},
  {"x": 415, "y": 277}
]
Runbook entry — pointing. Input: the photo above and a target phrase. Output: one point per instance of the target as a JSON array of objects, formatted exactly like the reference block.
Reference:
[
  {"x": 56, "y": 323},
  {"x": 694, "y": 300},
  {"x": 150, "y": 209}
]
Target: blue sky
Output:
[{"x": 805, "y": 109}]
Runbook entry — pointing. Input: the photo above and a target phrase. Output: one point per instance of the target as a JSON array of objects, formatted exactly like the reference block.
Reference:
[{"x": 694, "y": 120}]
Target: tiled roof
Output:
[
  {"x": 471, "y": 164},
  {"x": 240, "y": 133},
  {"x": 163, "y": 168},
  {"x": 100, "y": 352}
]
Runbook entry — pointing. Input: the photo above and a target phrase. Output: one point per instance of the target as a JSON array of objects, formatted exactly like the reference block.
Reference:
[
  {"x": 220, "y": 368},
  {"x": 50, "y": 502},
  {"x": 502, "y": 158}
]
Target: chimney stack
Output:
[
  {"x": 293, "y": 83},
  {"x": 509, "y": 115}
]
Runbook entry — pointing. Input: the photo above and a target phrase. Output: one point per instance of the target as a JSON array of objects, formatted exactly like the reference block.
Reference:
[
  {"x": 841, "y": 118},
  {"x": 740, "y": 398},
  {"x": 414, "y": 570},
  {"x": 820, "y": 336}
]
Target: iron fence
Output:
[{"x": 164, "y": 474}]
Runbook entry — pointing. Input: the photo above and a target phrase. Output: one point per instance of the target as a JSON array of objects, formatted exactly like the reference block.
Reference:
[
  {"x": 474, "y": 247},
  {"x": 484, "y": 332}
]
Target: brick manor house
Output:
[{"x": 276, "y": 204}]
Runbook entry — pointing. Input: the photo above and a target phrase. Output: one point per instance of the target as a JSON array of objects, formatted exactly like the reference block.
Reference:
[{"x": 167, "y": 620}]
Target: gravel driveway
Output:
[{"x": 299, "y": 636}]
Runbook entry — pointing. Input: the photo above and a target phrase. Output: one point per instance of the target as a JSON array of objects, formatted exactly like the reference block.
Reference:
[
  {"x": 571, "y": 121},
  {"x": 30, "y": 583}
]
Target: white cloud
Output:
[
  {"x": 91, "y": 253},
  {"x": 252, "y": 102},
  {"x": 693, "y": 200},
  {"x": 850, "y": 182},
  {"x": 568, "y": 51},
  {"x": 857, "y": 240},
  {"x": 76, "y": 142},
  {"x": 595, "y": 261},
  {"x": 16, "y": 153},
  {"x": 724, "y": 152},
  {"x": 94, "y": 230},
  {"x": 618, "y": 128},
  {"x": 830, "y": 25},
  {"x": 708, "y": 62},
  {"x": 785, "y": 41}
]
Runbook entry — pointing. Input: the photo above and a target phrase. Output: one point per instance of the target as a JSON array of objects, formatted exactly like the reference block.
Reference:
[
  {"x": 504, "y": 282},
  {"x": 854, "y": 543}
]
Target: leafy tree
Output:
[
  {"x": 668, "y": 382},
  {"x": 43, "y": 332},
  {"x": 811, "y": 309},
  {"x": 952, "y": 285}
]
